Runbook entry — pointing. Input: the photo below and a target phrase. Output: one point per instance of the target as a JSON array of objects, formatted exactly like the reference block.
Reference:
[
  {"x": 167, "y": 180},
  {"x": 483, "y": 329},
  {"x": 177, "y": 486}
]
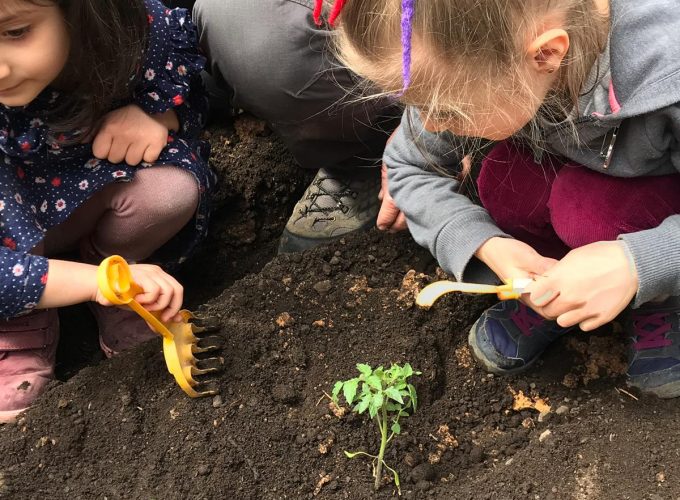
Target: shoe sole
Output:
[
  {"x": 291, "y": 243},
  {"x": 665, "y": 391},
  {"x": 486, "y": 364}
]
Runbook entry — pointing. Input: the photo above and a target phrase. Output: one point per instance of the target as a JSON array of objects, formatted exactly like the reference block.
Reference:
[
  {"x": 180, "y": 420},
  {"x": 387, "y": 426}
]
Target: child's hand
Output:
[
  {"x": 510, "y": 258},
  {"x": 390, "y": 218},
  {"x": 162, "y": 292},
  {"x": 590, "y": 286},
  {"x": 129, "y": 134}
]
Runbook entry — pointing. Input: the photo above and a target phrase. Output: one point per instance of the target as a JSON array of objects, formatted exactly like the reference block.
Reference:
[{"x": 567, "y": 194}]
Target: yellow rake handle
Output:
[{"x": 116, "y": 284}]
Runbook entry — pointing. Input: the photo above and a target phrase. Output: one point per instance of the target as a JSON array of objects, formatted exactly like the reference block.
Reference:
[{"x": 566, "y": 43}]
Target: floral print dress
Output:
[{"x": 42, "y": 183}]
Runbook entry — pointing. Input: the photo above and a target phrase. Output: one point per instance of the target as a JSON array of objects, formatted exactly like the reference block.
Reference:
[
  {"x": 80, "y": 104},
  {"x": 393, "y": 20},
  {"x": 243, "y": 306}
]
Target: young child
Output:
[
  {"x": 582, "y": 191},
  {"x": 100, "y": 108}
]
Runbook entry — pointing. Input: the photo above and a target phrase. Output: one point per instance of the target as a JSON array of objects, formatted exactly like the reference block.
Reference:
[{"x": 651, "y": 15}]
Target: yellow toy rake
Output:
[{"x": 180, "y": 343}]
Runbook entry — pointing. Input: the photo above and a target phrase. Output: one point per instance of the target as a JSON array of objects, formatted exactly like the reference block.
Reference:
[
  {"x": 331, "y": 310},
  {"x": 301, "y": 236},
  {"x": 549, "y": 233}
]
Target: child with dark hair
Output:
[{"x": 101, "y": 104}]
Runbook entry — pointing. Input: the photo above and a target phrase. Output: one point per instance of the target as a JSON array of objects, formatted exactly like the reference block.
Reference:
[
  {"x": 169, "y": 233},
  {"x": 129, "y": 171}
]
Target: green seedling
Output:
[{"x": 386, "y": 395}]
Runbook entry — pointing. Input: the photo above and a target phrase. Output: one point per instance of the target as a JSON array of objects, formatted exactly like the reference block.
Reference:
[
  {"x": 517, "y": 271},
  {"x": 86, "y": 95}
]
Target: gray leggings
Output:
[{"x": 276, "y": 63}]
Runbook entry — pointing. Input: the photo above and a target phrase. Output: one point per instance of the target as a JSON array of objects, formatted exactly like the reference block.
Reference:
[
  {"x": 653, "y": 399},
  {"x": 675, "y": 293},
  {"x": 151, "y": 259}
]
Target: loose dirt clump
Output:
[{"x": 122, "y": 428}]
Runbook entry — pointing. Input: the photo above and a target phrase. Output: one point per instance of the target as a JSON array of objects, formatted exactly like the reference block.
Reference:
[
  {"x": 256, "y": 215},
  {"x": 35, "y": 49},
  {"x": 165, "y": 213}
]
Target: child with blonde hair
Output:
[{"x": 581, "y": 191}]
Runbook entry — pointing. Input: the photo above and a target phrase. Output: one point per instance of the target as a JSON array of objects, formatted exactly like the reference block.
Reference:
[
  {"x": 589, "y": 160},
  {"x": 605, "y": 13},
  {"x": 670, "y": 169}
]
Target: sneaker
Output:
[
  {"x": 28, "y": 347},
  {"x": 655, "y": 352},
  {"x": 332, "y": 207},
  {"x": 120, "y": 329},
  {"x": 509, "y": 337}
]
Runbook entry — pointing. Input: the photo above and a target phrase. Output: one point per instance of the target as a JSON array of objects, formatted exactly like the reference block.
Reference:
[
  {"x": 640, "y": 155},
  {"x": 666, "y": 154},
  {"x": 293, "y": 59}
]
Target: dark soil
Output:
[{"x": 123, "y": 429}]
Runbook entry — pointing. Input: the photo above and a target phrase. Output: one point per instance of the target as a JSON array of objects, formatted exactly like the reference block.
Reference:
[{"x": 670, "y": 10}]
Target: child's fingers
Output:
[
  {"x": 169, "y": 300},
  {"x": 164, "y": 298},
  {"x": 152, "y": 153},
  {"x": 135, "y": 153},
  {"x": 399, "y": 224},
  {"x": 119, "y": 149},
  {"x": 540, "y": 292},
  {"x": 152, "y": 291},
  {"x": 177, "y": 299},
  {"x": 102, "y": 145},
  {"x": 579, "y": 317}
]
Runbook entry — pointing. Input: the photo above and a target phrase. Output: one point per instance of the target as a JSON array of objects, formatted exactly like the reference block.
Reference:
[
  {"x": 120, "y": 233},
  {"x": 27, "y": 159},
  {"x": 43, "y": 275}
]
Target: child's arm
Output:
[
  {"x": 168, "y": 98},
  {"x": 170, "y": 78},
  {"x": 71, "y": 283},
  {"x": 31, "y": 281},
  {"x": 448, "y": 223}
]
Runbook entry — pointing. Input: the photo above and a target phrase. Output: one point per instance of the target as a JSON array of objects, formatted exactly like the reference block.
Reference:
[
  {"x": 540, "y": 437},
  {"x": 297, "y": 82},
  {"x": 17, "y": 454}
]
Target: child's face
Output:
[
  {"x": 34, "y": 47},
  {"x": 493, "y": 117}
]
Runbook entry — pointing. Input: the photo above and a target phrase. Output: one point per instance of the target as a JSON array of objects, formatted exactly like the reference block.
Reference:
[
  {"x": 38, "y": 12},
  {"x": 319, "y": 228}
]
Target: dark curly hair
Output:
[{"x": 108, "y": 42}]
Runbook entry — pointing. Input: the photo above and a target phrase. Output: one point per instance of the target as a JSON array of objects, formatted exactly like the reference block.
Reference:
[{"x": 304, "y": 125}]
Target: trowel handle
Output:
[{"x": 116, "y": 284}]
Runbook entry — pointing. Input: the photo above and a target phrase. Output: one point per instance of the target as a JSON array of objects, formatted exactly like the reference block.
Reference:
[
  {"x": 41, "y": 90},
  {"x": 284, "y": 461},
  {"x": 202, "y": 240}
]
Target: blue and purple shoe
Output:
[
  {"x": 509, "y": 337},
  {"x": 655, "y": 353}
]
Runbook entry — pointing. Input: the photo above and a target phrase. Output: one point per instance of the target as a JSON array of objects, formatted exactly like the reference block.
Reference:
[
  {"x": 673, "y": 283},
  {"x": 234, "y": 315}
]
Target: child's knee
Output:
[
  {"x": 586, "y": 207},
  {"x": 165, "y": 193},
  {"x": 513, "y": 187}
]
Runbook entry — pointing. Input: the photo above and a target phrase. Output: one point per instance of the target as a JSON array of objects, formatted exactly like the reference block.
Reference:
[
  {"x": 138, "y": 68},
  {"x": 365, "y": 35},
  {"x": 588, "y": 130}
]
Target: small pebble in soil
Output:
[
  {"x": 203, "y": 470},
  {"x": 217, "y": 401},
  {"x": 544, "y": 417},
  {"x": 476, "y": 454},
  {"x": 413, "y": 458},
  {"x": 284, "y": 394},
  {"x": 562, "y": 410},
  {"x": 423, "y": 485},
  {"x": 323, "y": 287},
  {"x": 422, "y": 472},
  {"x": 334, "y": 261},
  {"x": 545, "y": 435}
]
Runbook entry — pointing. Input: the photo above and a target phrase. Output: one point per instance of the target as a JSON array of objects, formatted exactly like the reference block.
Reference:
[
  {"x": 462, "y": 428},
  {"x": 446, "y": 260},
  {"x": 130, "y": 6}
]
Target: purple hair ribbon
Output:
[{"x": 408, "y": 10}]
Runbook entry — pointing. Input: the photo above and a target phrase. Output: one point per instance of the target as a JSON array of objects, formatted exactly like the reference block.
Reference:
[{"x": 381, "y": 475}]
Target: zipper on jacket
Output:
[{"x": 607, "y": 149}]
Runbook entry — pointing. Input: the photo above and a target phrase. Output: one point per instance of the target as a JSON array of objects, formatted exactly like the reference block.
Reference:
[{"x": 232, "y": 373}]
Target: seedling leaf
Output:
[
  {"x": 374, "y": 382},
  {"x": 349, "y": 390},
  {"x": 364, "y": 369},
  {"x": 336, "y": 390},
  {"x": 393, "y": 393},
  {"x": 363, "y": 404},
  {"x": 396, "y": 428}
]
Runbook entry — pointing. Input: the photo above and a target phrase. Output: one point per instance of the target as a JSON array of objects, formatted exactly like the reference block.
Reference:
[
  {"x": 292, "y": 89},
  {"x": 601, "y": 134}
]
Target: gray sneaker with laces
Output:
[{"x": 331, "y": 207}]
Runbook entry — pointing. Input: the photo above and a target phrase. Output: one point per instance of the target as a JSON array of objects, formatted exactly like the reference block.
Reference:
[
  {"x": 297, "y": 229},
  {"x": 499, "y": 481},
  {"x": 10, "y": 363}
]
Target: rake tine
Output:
[
  {"x": 198, "y": 350},
  {"x": 203, "y": 371},
  {"x": 205, "y": 324},
  {"x": 214, "y": 364},
  {"x": 213, "y": 339}
]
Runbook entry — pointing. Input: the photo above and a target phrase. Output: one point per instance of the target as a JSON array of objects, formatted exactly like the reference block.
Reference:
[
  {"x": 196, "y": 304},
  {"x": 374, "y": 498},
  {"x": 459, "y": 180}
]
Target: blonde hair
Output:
[{"x": 464, "y": 45}]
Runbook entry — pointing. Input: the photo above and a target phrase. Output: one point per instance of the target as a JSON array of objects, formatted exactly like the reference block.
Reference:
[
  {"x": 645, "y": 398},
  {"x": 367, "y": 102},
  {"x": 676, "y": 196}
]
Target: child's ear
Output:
[{"x": 547, "y": 50}]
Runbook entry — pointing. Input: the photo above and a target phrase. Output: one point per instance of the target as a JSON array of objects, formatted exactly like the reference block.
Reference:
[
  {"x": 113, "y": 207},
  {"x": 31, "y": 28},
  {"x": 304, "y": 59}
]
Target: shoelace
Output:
[
  {"x": 524, "y": 320},
  {"x": 337, "y": 195},
  {"x": 656, "y": 336}
]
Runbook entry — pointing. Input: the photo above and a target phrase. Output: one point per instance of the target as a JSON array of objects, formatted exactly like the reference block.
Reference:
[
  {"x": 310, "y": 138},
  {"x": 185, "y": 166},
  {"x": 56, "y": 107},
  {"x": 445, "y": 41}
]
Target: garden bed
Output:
[{"x": 295, "y": 324}]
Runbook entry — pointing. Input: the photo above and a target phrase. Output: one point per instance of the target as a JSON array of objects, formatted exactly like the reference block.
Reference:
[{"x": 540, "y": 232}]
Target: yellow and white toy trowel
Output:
[{"x": 512, "y": 289}]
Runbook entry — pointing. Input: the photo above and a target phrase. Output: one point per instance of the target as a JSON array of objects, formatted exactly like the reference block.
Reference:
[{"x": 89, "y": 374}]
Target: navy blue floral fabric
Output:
[{"x": 42, "y": 182}]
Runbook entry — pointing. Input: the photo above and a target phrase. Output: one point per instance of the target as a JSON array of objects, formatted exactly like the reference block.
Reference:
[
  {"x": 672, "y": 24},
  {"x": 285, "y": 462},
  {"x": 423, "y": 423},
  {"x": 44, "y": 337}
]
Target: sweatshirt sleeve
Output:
[
  {"x": 170, "y": 77},
  {"x": 22, "y": 281},
  {"x": 449, "y": 224},
  {"x": 656, "y": 252}
]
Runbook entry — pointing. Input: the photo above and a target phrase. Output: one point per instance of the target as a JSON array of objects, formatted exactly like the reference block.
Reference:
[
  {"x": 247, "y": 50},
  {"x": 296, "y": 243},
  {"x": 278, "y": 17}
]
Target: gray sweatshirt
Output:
[{"x": 629, "y": 127}]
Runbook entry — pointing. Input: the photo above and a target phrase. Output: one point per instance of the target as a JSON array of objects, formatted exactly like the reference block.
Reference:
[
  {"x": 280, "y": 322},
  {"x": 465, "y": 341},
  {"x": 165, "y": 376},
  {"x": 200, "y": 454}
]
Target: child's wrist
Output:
[{"x": 168, "y": 119}]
